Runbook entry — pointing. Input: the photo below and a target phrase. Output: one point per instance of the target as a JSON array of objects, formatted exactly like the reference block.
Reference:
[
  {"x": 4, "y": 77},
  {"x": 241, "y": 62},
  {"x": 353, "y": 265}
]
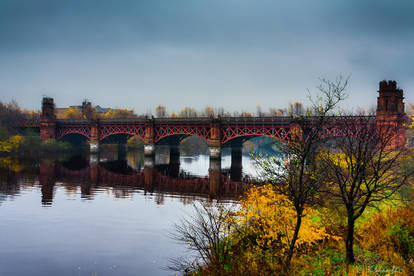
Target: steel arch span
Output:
[
  {"x": 62, "y": 131},
  {"x": 132, "y": 130},
  {"x": 162, "y": 132},
  {"x": 279, "y": 133}
]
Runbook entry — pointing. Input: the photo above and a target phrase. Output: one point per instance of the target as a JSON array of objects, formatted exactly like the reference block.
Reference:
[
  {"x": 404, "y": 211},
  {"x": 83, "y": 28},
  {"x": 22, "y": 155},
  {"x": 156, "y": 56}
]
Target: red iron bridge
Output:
[{"x": 217, "y": 132}]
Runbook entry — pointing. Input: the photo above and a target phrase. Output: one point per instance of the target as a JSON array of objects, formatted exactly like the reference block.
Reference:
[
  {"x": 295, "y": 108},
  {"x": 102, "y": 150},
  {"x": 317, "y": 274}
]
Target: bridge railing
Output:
[{"x": 203, "y": 120}]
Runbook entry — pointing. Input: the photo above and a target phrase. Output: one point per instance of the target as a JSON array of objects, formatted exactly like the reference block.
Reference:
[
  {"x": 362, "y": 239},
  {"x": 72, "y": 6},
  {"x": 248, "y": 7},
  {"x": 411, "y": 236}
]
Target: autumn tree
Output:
[
  {"x": 107, "y": 114},
  {"x": 361, "y": 169},
  {"x": 72, "y": 113},
  {"x": 276, "y": 112},
  {"x": 188, "y": 112},
  {"x": 294, "y": 175},
  {"x": 209, "y": 112},
  {"x": 296, "y": 109},
  {"x": 122, "y": 113},
  {"x": 161, "y": 111}
]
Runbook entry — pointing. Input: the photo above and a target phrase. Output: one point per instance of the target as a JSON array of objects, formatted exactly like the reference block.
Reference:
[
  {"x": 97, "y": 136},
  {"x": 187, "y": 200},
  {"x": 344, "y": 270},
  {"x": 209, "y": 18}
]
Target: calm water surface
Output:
[{"x": 102, "y": 215}]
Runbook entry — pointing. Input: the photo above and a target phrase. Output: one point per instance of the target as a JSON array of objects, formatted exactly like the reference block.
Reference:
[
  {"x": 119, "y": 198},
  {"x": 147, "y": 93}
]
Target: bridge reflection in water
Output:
[{"x": 124, "y": 176}]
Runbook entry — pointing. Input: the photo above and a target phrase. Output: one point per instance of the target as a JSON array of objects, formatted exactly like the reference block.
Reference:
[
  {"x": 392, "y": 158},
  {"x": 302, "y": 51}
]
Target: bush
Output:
[{"x": 391, "y": 236}]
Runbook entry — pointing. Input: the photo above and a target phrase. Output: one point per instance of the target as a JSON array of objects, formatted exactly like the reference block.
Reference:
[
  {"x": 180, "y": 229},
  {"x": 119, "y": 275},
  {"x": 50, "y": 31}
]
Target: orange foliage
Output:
[
  {"x": 72, "y": 113},
  {"x": 391, "y": 235}
]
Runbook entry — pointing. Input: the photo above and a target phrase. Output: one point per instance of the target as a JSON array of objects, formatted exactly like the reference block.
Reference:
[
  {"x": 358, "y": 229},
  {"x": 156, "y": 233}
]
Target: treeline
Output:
[
  {"x": 74, "y": 113},
  {"x": 186, "y": 112}
]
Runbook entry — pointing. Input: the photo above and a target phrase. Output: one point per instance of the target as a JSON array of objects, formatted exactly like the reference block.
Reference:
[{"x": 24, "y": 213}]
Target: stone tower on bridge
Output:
[
  {"x": 48, "y": 119},
  {"x": 391, "y": 111}
]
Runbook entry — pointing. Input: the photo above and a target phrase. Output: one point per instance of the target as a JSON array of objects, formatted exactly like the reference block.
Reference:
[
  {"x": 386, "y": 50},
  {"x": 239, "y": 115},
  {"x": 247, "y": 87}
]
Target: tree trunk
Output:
[
  {"x": 293, "y": 241},
  {"x": 349, "y": 242}
]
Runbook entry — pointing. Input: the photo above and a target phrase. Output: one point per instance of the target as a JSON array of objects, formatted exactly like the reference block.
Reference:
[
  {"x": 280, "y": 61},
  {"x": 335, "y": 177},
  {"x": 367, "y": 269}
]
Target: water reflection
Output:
[
  {"x": 125, "y": 173},
  {"x": 107, "y": 213}
]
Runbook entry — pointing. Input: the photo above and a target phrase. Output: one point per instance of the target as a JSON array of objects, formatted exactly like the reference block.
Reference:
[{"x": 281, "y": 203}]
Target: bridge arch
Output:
[
  {"x": 230, "y": 135},
  {"x": 69, "y": 130},
  {"x": 117, "y": 138},
  {"x": 106, "y": 131},
  {"x": 181, "y": 132}
]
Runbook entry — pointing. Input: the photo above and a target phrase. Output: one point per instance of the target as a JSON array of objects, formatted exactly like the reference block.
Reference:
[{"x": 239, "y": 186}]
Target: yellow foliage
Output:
[
  {"x": 10, "y": 164},
  {"x": 264, "y": 226},
  {"x": 72, "y": 113},
  {"x": 122, "y": 113},
  {"x": 12, "y": 144}
]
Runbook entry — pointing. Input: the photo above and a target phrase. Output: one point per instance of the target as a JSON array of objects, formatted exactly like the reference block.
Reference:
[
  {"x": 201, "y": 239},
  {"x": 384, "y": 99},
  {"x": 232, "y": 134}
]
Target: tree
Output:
[
  {"x": 259, "y": 112},
  {"x": 188, "y": 112},
  {"x": 122, "y": 113},
  {"x": 276, "y": 112},
  {"x": 209, "y": 112},
  {"x": 294, "y": 175},
  {"x": 205, "y": 233},
  {"x": 107, "y": 114},
  {"x": 296, "y": 109},
  {"x": 10, "y": 114},
  {"x": 161, "y": 112},
  {"x": 73, "y": 113},
  {"x": 362, "y": 170}
]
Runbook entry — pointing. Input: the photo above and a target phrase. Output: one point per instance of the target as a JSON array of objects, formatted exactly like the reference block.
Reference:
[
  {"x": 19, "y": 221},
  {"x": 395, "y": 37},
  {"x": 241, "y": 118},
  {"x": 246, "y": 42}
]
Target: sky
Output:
[{"x": 234, "y": 54}]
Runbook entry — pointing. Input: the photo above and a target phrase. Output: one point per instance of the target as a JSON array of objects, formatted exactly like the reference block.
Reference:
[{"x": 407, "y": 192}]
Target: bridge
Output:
[{"x": 217, "y": 132}]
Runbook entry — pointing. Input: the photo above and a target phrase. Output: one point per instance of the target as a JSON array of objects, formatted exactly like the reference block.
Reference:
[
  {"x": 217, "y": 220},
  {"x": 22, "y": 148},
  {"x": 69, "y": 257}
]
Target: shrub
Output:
[{"x": 391, "y": 236}]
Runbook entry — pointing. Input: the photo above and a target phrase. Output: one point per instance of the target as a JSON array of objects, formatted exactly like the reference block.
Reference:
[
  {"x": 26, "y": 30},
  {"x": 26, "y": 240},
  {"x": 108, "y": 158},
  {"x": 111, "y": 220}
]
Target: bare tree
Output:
[
  {"x": 259, "y": 112},
  {"x": 294, "y": 174},
  {"x": 362, "y": 169},
  {"x": 205, "y": 234}
]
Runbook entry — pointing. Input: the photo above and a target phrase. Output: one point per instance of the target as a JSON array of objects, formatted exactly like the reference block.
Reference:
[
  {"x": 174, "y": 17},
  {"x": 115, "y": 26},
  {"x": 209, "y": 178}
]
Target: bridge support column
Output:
[
  {"x": 94, "y": 141},
  {"x": 174, "y": 165},
  {"x": 93, "y": 166},
  {"x": 86, "y": 186},
  {"x": 214, "y": 175},
  {"x": 214, "y": 144},
  {"x": 48, "y": 120},
  {"x": 149, "y": 164},
  {"x": 47, "y": 181},
  {"x": 236, "y": 167},
  {"x": 149, "y": 143}
]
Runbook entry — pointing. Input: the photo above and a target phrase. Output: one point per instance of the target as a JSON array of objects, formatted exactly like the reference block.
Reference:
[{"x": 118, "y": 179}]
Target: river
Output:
[{"x": 103, "y": 215}]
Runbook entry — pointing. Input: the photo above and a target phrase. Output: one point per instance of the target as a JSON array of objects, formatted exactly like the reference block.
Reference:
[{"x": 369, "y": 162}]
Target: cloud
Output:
[{"x": 233, "y": 53}]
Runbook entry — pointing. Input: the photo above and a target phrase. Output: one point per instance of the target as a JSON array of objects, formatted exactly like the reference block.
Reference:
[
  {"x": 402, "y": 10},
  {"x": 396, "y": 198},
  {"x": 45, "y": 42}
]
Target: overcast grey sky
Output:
[{"x": 234, "y": 54}]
